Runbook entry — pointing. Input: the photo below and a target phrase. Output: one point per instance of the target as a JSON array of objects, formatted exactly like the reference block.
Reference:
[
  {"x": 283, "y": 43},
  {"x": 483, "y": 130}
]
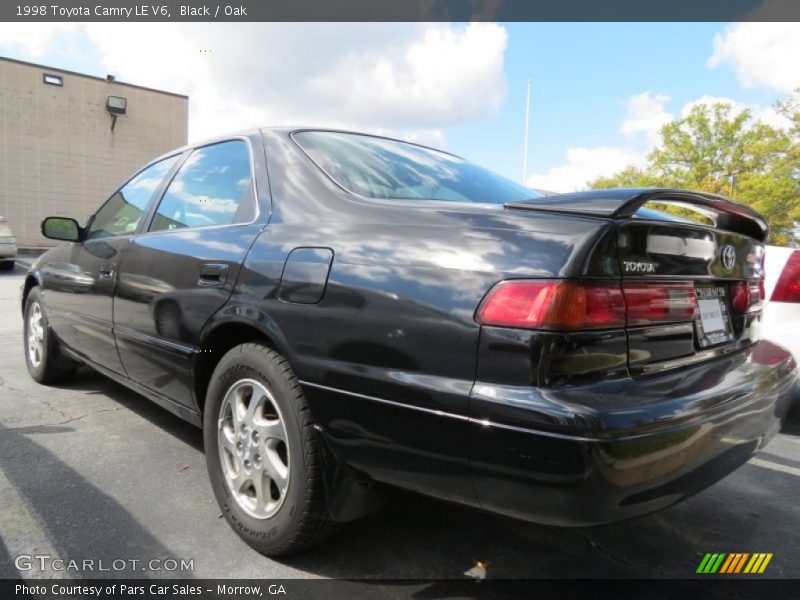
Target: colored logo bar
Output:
[{"x": 734, "y": 562}]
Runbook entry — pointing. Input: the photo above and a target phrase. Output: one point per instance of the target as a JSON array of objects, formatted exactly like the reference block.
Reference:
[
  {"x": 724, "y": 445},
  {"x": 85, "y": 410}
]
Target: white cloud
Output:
[
  {"x": 646, "y": 116},
  {"x": 761, "y": 54},
  {"x": 770, "y": 116},
  {"x": 408, "y": 79},
  {"x": 446, "y": 75},
  {"x": 582, "y": 166},
  {"x": 710, "y": 101},
  {"x": 405, "y": 79},
  {"x": 33, "y": 39}
]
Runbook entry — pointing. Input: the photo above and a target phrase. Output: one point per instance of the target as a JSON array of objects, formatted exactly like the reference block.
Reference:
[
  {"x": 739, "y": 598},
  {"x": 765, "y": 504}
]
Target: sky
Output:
[{"x": 599, "y": 91}]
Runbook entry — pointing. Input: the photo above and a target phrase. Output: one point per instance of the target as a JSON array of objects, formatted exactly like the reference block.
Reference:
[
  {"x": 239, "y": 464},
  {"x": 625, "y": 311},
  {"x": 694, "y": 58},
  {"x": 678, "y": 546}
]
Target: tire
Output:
[
  {"x": 43, "y": 363},
  {"x": 7, "y": 265},
  {"x": 290, "y": 513}
]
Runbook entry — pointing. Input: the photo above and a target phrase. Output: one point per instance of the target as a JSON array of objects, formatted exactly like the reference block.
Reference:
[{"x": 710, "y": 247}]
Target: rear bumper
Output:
[
  {"x": 595, "y": 454},
  {"x": 8, "y": 251}
]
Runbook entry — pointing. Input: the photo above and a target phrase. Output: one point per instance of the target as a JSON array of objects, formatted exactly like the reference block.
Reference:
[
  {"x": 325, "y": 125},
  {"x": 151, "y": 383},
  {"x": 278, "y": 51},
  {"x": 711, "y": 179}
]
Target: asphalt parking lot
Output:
[{"x": 90, "y": 470}]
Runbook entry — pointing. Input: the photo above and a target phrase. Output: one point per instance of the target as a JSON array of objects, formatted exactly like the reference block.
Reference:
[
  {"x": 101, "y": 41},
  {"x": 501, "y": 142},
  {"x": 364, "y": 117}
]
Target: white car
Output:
[
  {"x": 781, "y": 317},
  {"x": 8, "y": 246}
]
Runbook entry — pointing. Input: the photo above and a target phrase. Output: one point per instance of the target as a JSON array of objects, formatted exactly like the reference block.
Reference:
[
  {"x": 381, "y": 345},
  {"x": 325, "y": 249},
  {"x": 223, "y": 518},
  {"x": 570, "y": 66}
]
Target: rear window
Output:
[{"x": 380, "y": 168}]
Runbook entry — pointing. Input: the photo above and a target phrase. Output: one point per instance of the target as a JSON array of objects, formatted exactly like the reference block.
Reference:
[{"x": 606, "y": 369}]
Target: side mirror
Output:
[{"x": 62, "y": 228}]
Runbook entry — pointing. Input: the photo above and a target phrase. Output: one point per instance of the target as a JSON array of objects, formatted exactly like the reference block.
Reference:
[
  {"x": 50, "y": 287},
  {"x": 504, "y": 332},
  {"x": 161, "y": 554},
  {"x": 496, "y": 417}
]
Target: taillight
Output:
[
  {"x": 748, "y": 296},
  {"x": 788, "y": 287},
  {"x": 566, "y": 305},
  {"x": 659, "y": 302},
  {"x": 540, "y": 304}
]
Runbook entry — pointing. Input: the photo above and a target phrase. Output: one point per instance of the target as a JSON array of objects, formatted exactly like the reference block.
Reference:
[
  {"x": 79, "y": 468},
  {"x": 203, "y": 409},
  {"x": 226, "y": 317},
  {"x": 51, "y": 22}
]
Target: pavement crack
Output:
[
  {"x": 79, "y": 417},
  {"x": 4, "y": 386},
  {"x": 611, "y": 554},
  {"x": 52, "y": 408},
  {"x": 70, "y": 420}
]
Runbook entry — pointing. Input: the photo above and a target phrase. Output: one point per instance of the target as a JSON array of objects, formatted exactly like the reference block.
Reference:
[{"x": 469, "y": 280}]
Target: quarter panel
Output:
[
  {"x": 305, "y": 275},
  {"x": 396, "y": 324},
  {"x": 388, "y": 355}
]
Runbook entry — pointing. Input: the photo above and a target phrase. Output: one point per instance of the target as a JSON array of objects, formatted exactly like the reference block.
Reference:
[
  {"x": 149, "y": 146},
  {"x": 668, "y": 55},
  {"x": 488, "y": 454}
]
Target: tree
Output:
[
  {"x": 629, "y": 177},
  {"x": 718, "y": 150}
]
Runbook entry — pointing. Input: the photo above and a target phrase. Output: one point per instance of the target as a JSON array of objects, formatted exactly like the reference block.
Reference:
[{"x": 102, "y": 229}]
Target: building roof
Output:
[{"x": 56, "y": 70}]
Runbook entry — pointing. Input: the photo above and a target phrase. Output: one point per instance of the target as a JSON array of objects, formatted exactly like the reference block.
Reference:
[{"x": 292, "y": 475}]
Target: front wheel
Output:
[
  {"x": 263, "y": 453},
  {"x": 41, "y": 352}
]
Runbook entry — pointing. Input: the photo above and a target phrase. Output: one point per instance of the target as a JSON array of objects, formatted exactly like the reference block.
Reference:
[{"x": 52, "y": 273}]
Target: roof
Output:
[
  {"x": 284, "y": 130},
  {"x": 56, "y": 70}
]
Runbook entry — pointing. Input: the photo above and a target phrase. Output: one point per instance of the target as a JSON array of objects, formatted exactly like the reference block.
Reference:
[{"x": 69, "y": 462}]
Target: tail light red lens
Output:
[
  {"x": 741, "y": 297},
  {"x": 563, "y": 305},
  {"x": 649, "y": 303},
  {"x": 788, "y": 287},
  {"x": 539, "y": 304},
  {"x": 748, "y": 296}
]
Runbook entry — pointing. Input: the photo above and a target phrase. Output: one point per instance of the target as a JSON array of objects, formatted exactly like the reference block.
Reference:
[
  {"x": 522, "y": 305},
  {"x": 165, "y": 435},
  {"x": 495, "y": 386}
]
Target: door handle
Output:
[
  {"x": 213, "y": 274},
  {"x": 106, "y": 271}
]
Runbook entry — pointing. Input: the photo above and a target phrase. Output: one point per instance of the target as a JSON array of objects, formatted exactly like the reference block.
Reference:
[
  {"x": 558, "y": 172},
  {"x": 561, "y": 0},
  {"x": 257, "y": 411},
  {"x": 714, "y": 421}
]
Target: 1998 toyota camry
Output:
[{"x": 343, "y": 312}]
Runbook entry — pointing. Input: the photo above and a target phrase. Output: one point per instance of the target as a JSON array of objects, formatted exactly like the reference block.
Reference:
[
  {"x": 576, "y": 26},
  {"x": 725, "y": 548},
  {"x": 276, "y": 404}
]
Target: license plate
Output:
[{"x": 712, "y": 321}]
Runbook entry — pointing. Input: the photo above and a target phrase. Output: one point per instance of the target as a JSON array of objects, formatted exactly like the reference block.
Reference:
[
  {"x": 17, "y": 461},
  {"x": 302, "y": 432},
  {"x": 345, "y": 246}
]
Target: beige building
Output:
[{"x": 63, "y": 151}]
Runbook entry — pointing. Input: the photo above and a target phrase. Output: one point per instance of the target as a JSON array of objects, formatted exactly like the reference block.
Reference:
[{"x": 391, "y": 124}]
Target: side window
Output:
[
  {"x": 213, "y": 187},
  {"x": 122, "y": 212}
]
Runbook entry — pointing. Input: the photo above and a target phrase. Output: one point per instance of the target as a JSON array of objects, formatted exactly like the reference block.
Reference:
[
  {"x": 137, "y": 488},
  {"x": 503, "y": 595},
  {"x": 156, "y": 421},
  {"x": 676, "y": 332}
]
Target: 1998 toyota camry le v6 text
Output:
[{"x": 343, "y": 312}]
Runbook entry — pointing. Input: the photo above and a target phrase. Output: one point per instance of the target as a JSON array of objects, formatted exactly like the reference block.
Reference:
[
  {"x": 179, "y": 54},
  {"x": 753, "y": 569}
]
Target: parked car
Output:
[
  {"x": 343, "y": 313},
  {"x": 781, "y": 321},
  {"x": 8, "y": 246}
]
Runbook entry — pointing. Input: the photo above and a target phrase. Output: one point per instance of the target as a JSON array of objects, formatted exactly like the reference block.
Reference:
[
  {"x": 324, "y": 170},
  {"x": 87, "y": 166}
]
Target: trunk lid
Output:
[{"x": 721, "y": 267}]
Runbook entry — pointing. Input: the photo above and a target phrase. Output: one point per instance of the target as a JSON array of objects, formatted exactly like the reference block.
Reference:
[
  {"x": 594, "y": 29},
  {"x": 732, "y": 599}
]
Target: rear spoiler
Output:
[{"x": 623, "y": 203}]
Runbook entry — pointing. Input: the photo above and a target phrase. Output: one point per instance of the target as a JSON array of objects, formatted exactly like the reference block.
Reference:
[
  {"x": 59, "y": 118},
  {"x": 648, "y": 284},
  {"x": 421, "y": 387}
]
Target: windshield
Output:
[{"x": 386, "y": 169}]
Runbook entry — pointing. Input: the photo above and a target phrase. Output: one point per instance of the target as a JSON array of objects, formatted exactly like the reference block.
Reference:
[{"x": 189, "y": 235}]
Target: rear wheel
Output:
[
  {"x": 41, "y": 350},
  {"x": 263, "y": 453},
  {"x": 7, "y": 265}
]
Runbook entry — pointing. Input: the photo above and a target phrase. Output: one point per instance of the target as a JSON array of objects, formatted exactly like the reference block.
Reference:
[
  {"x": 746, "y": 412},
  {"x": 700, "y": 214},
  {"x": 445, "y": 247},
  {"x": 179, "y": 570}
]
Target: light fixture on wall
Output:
[{"x": 115, "y": 106}]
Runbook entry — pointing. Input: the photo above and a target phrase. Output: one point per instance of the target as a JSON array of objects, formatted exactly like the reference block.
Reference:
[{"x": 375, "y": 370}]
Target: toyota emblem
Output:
[{"x": 728, "y": 257}]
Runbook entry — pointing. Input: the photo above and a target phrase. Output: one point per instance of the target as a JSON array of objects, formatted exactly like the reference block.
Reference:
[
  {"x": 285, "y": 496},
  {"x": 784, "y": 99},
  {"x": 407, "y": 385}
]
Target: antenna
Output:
[{"x": 527, "y": 123}]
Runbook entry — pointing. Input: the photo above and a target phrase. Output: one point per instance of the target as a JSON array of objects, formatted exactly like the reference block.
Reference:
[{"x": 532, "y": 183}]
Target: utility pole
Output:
[{"x": 527, "y": 124}]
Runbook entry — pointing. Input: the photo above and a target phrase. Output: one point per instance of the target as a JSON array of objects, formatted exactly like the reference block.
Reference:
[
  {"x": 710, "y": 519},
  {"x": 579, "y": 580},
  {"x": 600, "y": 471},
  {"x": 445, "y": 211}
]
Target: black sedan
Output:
[{"x": 344, "y": 313}]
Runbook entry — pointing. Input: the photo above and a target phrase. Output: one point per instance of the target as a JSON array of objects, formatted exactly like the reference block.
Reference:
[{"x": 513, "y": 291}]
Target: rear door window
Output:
[{"x": 213, "y": 187}]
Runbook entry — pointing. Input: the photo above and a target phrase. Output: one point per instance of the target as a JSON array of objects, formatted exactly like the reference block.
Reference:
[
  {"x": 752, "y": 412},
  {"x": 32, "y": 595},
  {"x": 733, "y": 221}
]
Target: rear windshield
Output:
[{"x": 386, "y": 169}]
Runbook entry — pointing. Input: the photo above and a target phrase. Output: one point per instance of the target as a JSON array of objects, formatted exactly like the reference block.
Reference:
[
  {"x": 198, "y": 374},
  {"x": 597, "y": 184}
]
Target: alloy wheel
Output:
[
  {"x": 253, "y": 448},
  {"x": 35, "y": 335}
]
